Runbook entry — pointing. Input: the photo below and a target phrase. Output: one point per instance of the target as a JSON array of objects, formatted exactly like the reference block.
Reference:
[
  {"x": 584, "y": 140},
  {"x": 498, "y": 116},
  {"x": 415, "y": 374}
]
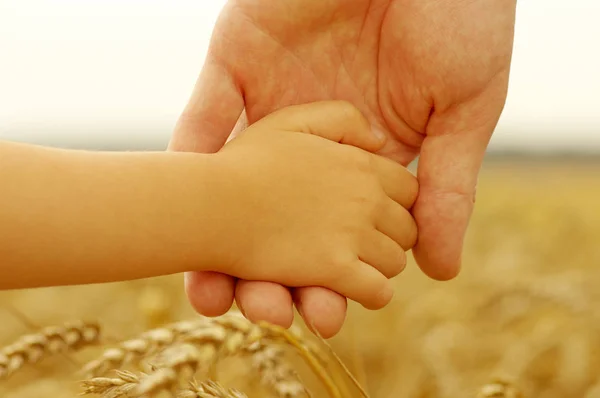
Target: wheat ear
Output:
[
  {"x": 31, "y": 348},
  {"x": 218, "y": 337},
  {"x": 148, "y": 343},
  {"x": 214, "y": 337},
  {"x": 130, "y": 385},
  {"x": 499, "y": 388},
  {"x": 209, "y": 389}
]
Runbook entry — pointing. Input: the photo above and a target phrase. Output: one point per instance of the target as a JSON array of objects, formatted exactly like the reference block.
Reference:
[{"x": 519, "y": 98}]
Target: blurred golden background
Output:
[{"x": 523, "y": 307}]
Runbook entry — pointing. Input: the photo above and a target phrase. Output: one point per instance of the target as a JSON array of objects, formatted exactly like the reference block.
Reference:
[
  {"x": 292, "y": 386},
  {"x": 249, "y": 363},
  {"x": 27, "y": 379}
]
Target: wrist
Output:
[
  {"x": 224, "y": 228},
  {"x": 195, "y": 220},
  {"x": 203, "y": 222}
]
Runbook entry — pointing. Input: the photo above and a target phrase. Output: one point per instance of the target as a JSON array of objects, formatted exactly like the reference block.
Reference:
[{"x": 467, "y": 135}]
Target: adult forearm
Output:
[{"x": 72, "y": 217}]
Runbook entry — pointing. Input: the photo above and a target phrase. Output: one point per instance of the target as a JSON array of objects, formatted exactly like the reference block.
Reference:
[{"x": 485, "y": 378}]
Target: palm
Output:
[
  {"x": 430, "y": 74},
  {"x": 386, "y": 57},
  {"x": 278, "y": 61}
]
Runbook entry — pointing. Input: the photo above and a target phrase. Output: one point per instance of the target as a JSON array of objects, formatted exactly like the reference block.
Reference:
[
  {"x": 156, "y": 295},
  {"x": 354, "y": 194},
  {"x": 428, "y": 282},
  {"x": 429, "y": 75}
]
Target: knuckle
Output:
[
  {"x": 363, "y": 164},
  {"x": 349, "y": 111},
  {"x": 366, "y": 163},
  {"x": 367, "y": 213},
  {"x": 366, "y": 199},
  {"x": 377, "y": 202},
  {"x": 339, "y": 262},
  {"x": 359, "y": 160},
  {"x": 352, "y": 116},
  {"x": 398, "y": 264},
  {"x": 382, "y": 295},
  {"x": 342, "y": 259}
]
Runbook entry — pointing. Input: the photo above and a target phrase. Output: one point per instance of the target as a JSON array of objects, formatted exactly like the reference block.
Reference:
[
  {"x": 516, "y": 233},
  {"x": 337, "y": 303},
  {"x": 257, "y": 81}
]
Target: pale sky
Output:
[{"x": 102, "y": 72}]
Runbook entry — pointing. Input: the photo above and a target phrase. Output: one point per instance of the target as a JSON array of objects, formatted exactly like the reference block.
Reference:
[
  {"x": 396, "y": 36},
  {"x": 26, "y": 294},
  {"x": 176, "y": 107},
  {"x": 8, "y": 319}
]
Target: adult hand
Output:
[{"x": 432, "y": 75}]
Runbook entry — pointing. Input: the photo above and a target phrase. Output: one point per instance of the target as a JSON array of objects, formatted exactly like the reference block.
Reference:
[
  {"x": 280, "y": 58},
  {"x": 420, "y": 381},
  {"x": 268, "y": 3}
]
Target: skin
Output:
[
  {"x": 431, "y": 75},
  {"x": 98, "y": 217}
]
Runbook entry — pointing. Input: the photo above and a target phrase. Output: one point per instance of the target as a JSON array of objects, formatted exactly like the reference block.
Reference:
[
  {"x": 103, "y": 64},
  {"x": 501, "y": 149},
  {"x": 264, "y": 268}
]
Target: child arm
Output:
[{"x": 71, "y": 216}]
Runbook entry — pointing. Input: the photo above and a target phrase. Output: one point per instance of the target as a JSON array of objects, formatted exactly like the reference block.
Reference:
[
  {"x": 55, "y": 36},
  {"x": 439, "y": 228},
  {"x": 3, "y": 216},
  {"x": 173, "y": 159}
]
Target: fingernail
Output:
[{"x": 379, "y": 133}]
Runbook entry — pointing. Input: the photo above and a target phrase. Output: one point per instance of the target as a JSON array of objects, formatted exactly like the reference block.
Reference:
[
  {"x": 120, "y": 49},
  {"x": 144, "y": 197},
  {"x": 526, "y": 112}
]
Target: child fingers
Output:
[
  {"x": 383, "y": 253},
  {"x": 365, "y": 285},
  {"x": 397, "y": 223},
  {"x": 397, "y": 181},
  {"x": 337, "y": 121}
]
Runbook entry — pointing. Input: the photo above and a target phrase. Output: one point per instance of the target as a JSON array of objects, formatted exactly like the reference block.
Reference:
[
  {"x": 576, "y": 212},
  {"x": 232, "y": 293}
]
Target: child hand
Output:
[{"x": 305, "y": 211}]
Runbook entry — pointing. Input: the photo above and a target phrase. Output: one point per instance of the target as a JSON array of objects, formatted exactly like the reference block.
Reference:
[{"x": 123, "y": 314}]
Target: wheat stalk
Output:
[
  {"x": 215, "y": 338},
  {"x": 499, "y": 389},
  {"x": 31, "y": 348},
  {"x": 339, "y": 361},
  {"x": 275, "y": 371}
]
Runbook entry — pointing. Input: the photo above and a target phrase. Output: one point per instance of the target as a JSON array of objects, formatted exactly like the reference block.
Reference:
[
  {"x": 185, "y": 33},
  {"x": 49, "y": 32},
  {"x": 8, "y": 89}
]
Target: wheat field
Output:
[{"x": 523, "y": 310}]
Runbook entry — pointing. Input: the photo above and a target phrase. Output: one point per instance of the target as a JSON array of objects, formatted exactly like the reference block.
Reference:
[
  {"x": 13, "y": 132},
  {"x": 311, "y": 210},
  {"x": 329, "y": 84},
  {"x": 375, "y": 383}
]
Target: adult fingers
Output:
[
  {"x": 210, "y": 293},
  {"x": 323, "y": 310},
  {"x": 451, "y": 157},
  {"x": 265, "y": 301}
]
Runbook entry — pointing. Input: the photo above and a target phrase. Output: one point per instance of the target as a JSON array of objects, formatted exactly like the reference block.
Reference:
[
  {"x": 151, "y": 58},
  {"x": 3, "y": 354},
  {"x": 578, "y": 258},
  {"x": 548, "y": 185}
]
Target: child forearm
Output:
[{"x": 73, "y": 217}]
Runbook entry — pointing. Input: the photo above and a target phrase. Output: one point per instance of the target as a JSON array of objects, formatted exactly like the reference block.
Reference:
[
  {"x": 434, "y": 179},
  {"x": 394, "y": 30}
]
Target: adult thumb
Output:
[
  {"x": 211, "y": 112},
  {"x": 448, "y": 168}
]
